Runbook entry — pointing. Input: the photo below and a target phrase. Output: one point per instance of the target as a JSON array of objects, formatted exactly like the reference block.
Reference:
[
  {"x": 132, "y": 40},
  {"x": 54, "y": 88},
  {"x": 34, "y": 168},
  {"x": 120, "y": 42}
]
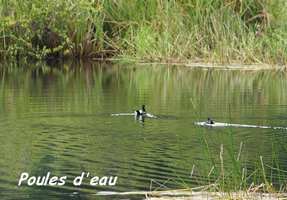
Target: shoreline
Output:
[
  {"x": 223, "y": 195},
  {"x": 205, "y": 65},
  {"x": 193, "y": 65},
  {"x": 195, "y": 194}
]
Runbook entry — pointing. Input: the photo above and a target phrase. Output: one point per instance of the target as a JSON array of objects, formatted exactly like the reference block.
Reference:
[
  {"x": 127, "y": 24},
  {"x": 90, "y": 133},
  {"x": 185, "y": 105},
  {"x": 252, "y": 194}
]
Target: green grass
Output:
[
  {"x": 249, "y": 31},
  {"x": 228, "y": 168}
]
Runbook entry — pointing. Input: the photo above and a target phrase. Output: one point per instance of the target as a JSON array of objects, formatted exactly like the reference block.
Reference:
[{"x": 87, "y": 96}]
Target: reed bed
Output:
[{"x": 250, "y": 31}]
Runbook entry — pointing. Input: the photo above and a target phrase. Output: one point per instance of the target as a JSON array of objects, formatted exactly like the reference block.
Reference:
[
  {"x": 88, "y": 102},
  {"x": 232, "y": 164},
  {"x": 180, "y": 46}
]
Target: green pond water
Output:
[{"x": 58, "y": 119}]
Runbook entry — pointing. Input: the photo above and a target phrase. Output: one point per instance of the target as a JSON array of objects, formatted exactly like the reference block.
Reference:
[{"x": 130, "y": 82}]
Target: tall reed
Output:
[{"x": 178, "y": 31}]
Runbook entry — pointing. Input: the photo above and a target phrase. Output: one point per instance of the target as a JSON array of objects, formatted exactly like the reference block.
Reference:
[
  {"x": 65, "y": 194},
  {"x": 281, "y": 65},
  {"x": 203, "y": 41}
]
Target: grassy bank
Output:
[{"x": 249, "y": 31}]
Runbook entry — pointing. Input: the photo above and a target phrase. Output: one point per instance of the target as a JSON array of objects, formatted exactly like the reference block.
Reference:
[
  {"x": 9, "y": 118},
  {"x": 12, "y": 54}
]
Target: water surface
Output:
[{"x": 58, "y": 119}]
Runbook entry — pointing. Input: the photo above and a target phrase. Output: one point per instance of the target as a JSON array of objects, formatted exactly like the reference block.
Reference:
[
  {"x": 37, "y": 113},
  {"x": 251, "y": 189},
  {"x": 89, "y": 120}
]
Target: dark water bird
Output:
[
  {"x": 209, "y": 121},
  {"x": 141, "y": 112},
  {"x": 137, "y": 113}
]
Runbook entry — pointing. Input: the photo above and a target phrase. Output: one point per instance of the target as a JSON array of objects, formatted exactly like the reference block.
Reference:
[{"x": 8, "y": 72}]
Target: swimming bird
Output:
[
  {"x": 209, "y": 121},
  {"x": 141, "y": 112}
]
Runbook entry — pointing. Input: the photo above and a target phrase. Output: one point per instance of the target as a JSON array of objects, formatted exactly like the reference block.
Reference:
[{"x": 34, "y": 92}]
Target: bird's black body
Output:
[
  {"x": 209, "y": 121},
  {"x": 141, "y": 112}
]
